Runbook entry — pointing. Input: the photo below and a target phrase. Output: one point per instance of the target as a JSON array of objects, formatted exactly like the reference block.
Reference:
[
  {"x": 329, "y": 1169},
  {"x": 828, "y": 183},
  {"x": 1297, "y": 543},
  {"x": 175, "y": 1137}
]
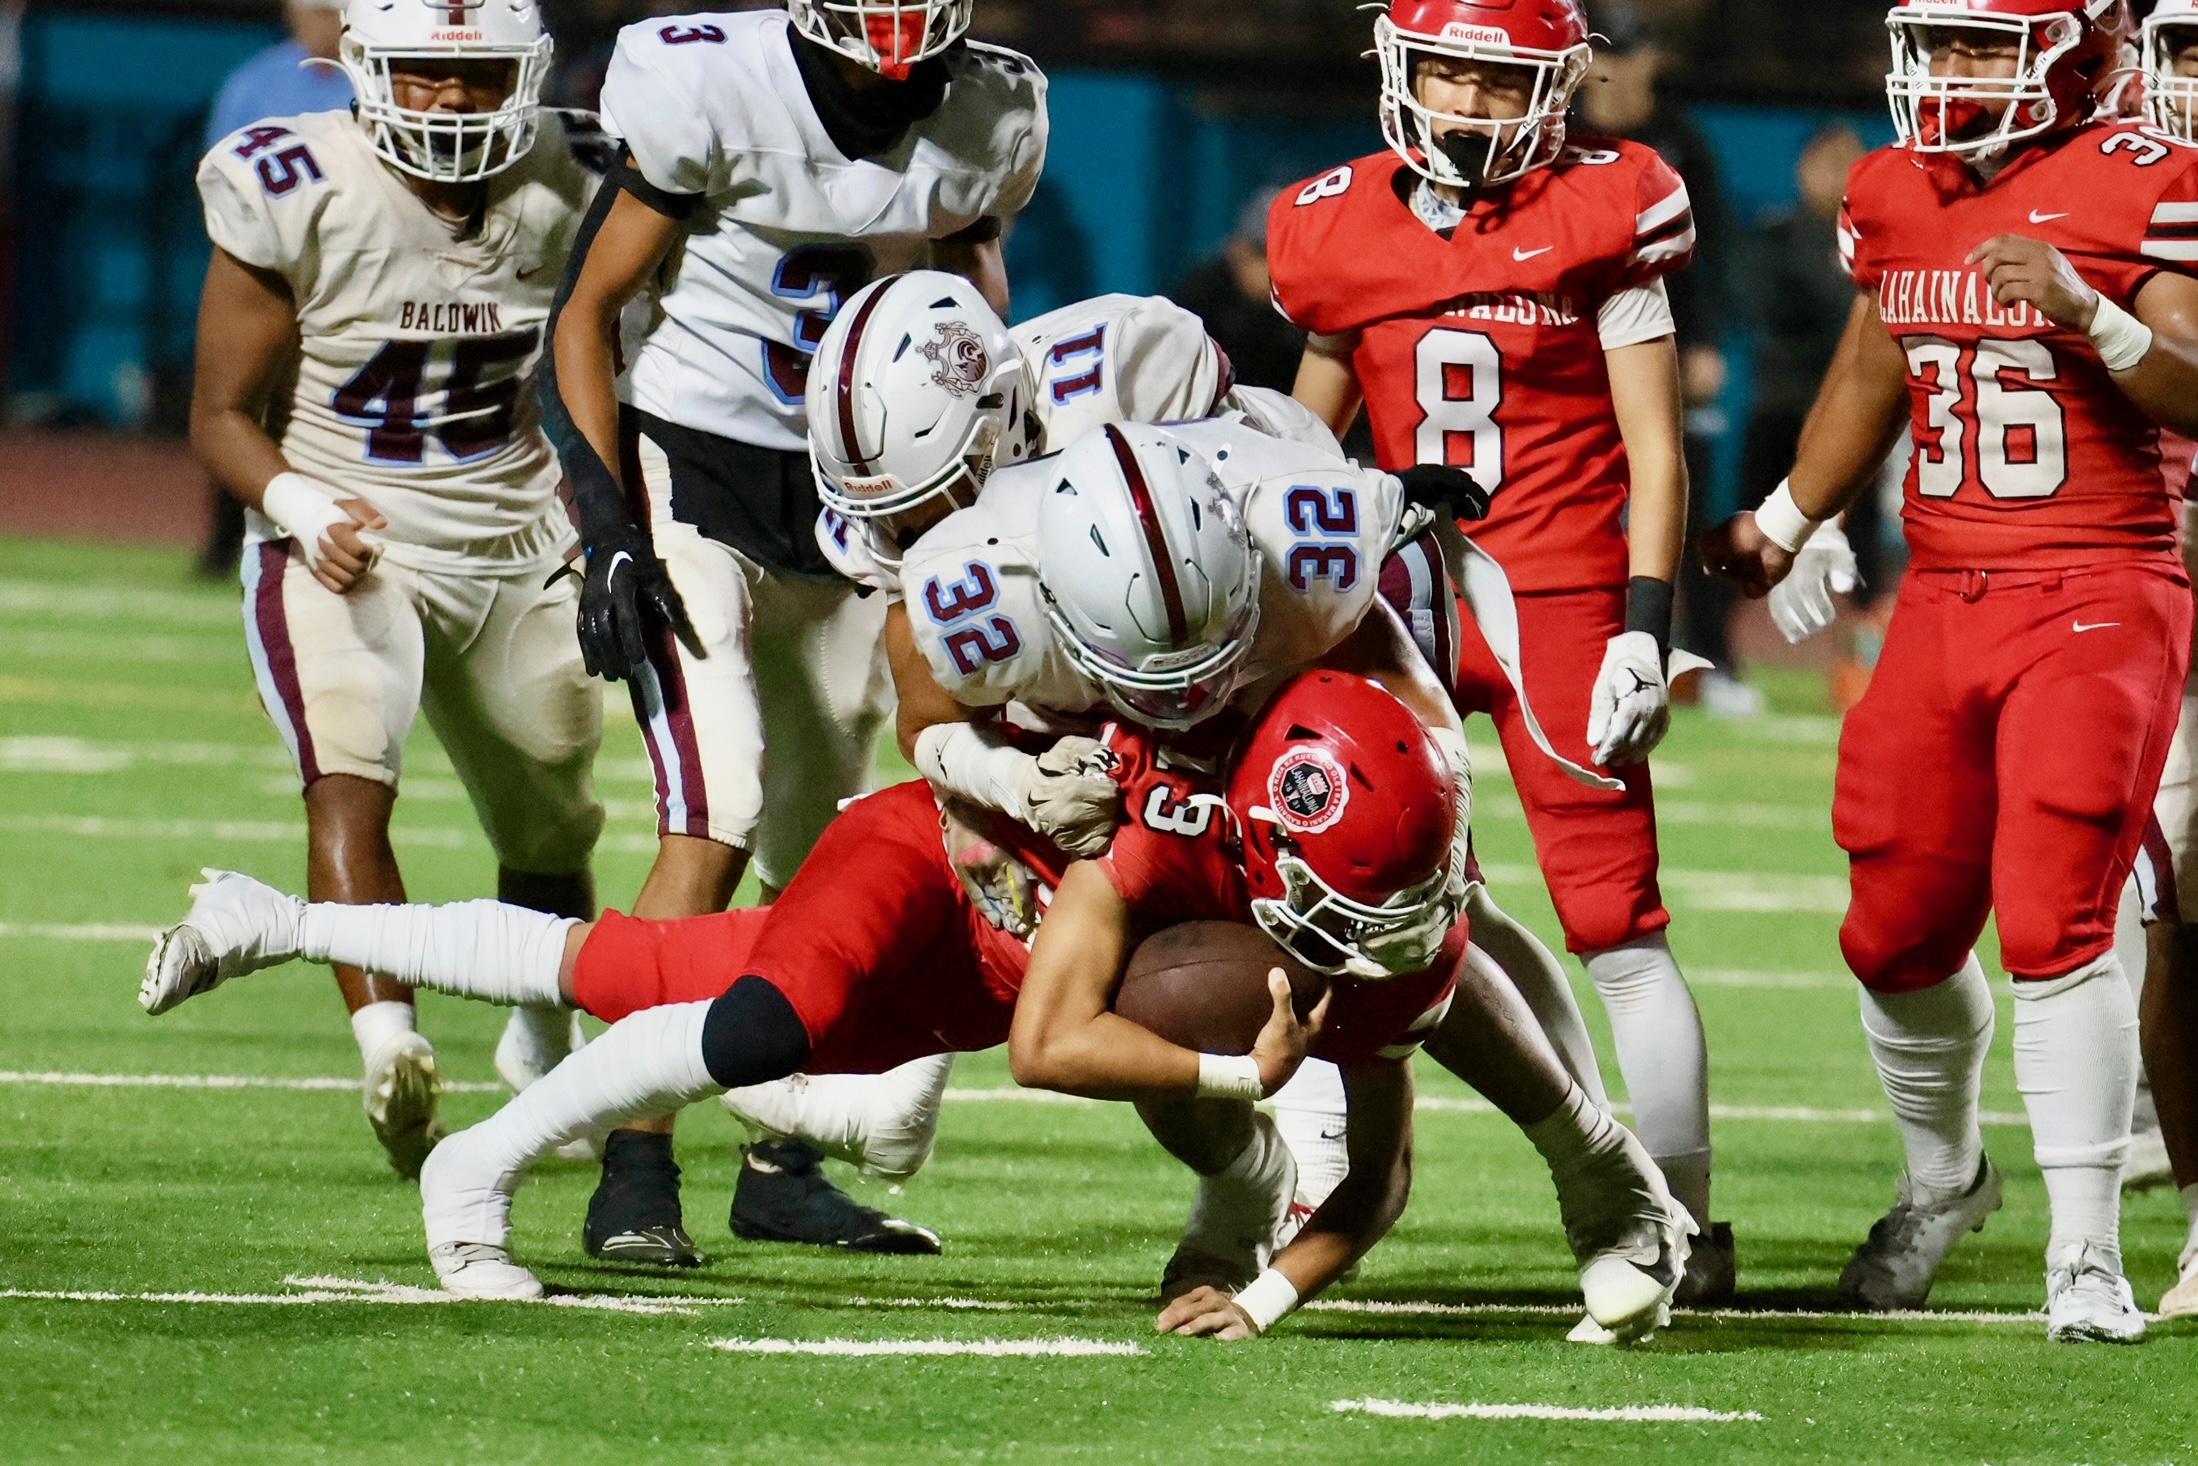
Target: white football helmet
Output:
[
  {"x": 2171, "y": 101},
  {"x": 916, "y": 393},
  {"x": 1150, "y": 576},
  {"x": 447, "y": 147},
  {"x": 888, "y": 36}
]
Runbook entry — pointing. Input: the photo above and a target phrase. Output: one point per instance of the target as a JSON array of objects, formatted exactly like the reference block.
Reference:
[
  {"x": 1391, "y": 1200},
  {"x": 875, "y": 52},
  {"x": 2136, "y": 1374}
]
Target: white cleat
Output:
[
  {"x": 535, "y": 1041},
  {"x": 1628, "y": 1284},
  {"x": 237, "y": 925},
  {"x": 2087, "y": 1300},
  {"x": 403, "y": 1097},
  {"x": 482, "y": 1270},
  {"x": 2181, "y": 1301},
  {"x": 1894, "y": 1267}
]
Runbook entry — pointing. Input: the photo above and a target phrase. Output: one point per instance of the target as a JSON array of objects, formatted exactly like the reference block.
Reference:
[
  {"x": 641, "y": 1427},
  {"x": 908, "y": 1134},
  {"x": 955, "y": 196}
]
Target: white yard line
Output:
[
  {"x": 957, "y": 1304},
  {"x": 89, "y": 932},
  {"x": 1624, "y": 1414},
  {"x": 1420, "y": 1309},
  {"x": 322, "y": 1290},
  {"x": 24, "y": 598},
  {"x": 214, "y": 1081},
  {"x": 990, "y": 1348},
  {"x": 1719, "y": 890}
]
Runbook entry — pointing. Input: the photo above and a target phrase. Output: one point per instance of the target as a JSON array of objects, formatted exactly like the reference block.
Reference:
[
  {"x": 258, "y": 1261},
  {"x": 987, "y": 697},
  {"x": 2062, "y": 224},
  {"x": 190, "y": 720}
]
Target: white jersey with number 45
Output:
[
  {"x": 418, "y": 337},
  {"x": 1321, "y": 523}
]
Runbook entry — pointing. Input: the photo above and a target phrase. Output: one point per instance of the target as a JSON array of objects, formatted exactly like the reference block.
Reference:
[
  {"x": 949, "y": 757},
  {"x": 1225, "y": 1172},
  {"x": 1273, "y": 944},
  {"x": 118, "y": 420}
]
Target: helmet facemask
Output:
[
  {"x": 887, "y": 36},
  {"x": 1975, "y": 117},
  {"x": 1176, "y": 690},
  {"x": 2171, "y": 99},
  {"x": 1474, "y": 152},
  {"x": 889, "y": 513},
  {"x": 1333, "y": 934}
]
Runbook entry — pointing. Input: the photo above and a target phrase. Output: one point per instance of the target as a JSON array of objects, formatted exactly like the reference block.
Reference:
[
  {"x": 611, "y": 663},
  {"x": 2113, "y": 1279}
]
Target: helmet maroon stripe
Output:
[
  {"x": 1156, "y": 539},
  {"x": 848, "y": 438}
]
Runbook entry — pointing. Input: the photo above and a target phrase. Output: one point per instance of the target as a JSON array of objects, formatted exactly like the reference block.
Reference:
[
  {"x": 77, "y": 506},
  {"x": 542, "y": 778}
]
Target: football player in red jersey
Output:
[
  {"x": 877, "y": 954},
  {"x": 1493, "y": 293},
  {"x": 2025, "y": 299}
]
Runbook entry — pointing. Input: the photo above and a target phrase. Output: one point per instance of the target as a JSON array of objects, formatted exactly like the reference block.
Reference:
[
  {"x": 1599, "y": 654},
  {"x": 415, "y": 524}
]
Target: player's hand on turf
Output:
[
  {"x": 626, "y": 596},
  {"x": 1739, "y": 551},
  {"x": 344, "y": 554},
  {"x": 1284, "y": 1041},
  {"x": 1206, "y": 1313},
  {"x": 1071, "y": 799},
  {"x": 2032, "y": 271},
  {"x": 1801, "y": 604},
  {"x": 1439, "y": 486},
  {"x": 1632, "y": 708}
]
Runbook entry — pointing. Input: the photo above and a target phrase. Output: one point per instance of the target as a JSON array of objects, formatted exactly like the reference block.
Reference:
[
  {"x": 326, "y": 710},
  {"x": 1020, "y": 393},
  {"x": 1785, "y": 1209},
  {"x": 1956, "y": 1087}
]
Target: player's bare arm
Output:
[
  {"x": 1644, "y": 391},
  {"x": 1327, "y": 384},
  {"x": 923, "y": 702},
  {"x": 1356, "y": 1215},
  {"x": 247, "y": 340},
  {"x": 2159, "y": 371},
  {"x": 628, "y": 249},
  {"x": 982, "y": 262},
  {"x": 1065, "y": 1038}
]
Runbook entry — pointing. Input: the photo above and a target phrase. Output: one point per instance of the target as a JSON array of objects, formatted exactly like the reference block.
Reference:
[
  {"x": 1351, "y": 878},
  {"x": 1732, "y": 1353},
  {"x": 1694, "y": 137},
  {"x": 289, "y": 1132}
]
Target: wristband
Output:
[
  {"x": 1268, "y": 1298},
  {"x": 1229, "y": 1076},
  {"x": 1782, "y": 521},
  {"x": 2122, "y": 339},
  {"x": 1648, "y": 608},
  {"x": 304, "y": 509}
]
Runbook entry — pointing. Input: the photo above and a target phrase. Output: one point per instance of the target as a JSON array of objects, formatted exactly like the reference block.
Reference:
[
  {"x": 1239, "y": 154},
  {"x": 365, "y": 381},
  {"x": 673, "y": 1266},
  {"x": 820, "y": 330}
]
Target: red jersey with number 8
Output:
[
  {"x": 2026, "y": 453},
  {"x": 1484, "y": 348}
]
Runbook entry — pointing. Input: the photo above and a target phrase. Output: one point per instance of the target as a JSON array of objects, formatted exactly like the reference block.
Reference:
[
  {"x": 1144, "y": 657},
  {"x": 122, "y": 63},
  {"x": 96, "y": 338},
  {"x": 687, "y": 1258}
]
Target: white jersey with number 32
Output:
[{"x": 418, "y": 340}]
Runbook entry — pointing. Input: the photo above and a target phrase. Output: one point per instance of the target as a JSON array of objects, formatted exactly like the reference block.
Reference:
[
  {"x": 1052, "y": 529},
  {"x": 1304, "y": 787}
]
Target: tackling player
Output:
[
  {"x": 2025, "y": 299},
  {"x": 370, "y": 323},
  {"x": 1493, "y": 295},
  {"x": 777, "y": 160},
  {"x": 1334, "y": 834}
]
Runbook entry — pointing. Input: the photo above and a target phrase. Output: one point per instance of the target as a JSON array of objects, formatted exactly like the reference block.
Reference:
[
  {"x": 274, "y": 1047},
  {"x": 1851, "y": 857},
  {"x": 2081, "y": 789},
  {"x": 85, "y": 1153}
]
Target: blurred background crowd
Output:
[{"x": 1173, "y": 122}]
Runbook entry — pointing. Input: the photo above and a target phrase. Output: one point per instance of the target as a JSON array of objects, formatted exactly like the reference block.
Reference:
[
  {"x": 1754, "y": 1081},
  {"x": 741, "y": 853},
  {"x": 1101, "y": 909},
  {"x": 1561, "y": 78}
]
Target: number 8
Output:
[{"x": 1444, "y": 415}]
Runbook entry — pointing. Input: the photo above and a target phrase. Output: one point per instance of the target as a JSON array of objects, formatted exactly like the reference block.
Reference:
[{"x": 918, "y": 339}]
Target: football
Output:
[{"x": 1204, "y": 985}]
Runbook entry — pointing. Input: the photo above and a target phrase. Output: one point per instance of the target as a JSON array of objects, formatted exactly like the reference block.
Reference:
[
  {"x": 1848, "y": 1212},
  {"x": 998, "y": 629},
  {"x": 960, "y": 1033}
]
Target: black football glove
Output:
[
  {"x": 1440, "y": 487},
  {"x": 626, "y": 594}
]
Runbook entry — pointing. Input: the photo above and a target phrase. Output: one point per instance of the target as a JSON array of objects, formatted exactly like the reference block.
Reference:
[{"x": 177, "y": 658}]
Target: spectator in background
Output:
[
  {"x": 1232, "y": 294},
  {"x": 1621, "y": 99},
  {"x": 288, "y": 78}
]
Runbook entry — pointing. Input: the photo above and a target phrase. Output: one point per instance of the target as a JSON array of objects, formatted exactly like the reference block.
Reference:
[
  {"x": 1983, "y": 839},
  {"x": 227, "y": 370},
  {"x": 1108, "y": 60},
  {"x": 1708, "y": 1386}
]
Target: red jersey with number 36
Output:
[
  {"x": 1483, "y": 349},
  {"x": 2026, "y": 453}
]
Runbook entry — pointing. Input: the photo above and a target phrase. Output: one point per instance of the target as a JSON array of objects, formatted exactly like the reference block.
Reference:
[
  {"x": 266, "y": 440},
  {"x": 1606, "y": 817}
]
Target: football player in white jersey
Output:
[
  {"x": 373, "y": 315},
  {"x": 777, "y": 160}
]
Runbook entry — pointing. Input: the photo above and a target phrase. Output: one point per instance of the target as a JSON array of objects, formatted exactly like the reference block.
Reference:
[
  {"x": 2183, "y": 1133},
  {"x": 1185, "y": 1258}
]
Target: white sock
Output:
[
  {"x": 1929, "y": 1047},
  {"x": 1241, "y": 1206},
  {"x": 2190, "y": 1209},
  {"x": 1658, "y": 1035},
  {"x": 885, "y": 1123},
  {"x": 646, "y": 1064},
  {"x": 1603, "y": 1176},
  {"x": 1312, "y": 1115},
  {"x": 378, "y": 1023},
  {"x": 1540, "y": 979},
  {"x": 475, "y": 949},
  {"x": 2076, "y": 1065},
  {"x": 2131, "y": 946}
]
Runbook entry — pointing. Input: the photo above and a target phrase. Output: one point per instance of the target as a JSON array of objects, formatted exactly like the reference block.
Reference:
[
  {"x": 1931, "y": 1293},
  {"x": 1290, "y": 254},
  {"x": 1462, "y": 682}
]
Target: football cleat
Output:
[
  {"x": 482, "y": 1270},
  {"x": 2147, "y": 1164},
  {"x": 237, "y": 925},
  {"x": 403, "y": 1097},
  {"x": 1628, "y": 1283},
  {"x": 1712, "y": 1270},
  {"x": 1188, "y": 1270},
  {"x": 1894, "y": 1267},
  {"x": 783, "y": 1195},
  {"x": 1239, "y": 1213},
  {"x": 2087, "y": 1300},
  {"x": 2181, "y": 1301},
  {"x": 634, "y": 1216}
]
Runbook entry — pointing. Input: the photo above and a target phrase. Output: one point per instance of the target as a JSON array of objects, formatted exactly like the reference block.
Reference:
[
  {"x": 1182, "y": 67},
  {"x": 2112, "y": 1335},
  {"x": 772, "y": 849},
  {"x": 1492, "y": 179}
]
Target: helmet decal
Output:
[
  {"x": 1308, "y": 790},
  {"x": 1156, "y": 539},
  {"x": 850, "y": 438},
  {"x": 958, "y": 358}
]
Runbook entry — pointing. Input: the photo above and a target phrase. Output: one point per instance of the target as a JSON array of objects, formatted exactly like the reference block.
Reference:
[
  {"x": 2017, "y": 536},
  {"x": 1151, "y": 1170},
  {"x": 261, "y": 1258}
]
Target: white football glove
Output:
[
  {"x": 1632, "y": 708},
  {"x": 1070, "y": 799},
  {"x": 1801, "y": 604},
  {"x": 1460, "y": 760},
  {"x": 304, "y": 509}
]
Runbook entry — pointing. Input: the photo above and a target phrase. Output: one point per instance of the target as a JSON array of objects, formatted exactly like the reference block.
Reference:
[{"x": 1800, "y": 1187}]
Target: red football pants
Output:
[
  {"x": 2005, "y": 759},
  {"x": 874, "y": 944}
]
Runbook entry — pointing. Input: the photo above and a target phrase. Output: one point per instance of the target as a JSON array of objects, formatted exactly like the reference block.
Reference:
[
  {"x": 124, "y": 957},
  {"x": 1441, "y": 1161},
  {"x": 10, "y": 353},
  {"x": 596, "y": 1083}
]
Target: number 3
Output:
[{"x": 673, "y": 35}]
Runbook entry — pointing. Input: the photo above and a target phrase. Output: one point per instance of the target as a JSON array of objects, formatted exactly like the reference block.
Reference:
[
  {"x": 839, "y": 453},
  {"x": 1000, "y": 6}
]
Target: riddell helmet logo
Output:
[
  {"x": 958, "y": 358},
  {"x": 1486, "y": 35},
  {"x": 1308, "y": 790},
  {"x": 459, "y": 36}
]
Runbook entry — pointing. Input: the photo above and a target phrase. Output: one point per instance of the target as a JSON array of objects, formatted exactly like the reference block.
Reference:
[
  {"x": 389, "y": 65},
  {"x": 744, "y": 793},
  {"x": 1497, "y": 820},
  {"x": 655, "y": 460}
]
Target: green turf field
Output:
[{"x": 132, "y": 751}]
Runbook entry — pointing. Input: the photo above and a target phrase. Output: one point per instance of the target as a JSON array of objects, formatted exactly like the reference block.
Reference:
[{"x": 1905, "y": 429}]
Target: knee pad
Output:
[{"x": 752, "y": 1035}]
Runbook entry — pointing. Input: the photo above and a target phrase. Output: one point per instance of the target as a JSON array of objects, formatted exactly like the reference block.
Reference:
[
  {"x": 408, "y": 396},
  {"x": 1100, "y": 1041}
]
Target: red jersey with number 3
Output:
[
  {"x": 1483, "y": 349},
  {"x": 2026, "y": 453}
]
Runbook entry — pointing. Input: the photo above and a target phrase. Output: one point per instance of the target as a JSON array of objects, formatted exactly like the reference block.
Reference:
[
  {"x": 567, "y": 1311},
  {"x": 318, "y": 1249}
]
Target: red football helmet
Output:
[
  {"x": 1346, "y": 808},
  {"x": 1545, "y": 37},
  {"x": 2065, "y": 54}
]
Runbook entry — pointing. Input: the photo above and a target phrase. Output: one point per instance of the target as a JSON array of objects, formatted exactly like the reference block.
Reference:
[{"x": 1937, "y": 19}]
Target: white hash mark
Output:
[
  {"x": 1631, "y": 1414},
  {"x": 990, "y": 1348}
]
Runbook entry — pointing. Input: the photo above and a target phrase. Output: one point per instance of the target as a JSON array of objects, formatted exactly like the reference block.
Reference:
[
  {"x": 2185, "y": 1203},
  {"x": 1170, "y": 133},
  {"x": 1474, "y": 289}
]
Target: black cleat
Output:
[
  {"x": 634, "y": 1215},
  {"x": 784, "y": 1196}
]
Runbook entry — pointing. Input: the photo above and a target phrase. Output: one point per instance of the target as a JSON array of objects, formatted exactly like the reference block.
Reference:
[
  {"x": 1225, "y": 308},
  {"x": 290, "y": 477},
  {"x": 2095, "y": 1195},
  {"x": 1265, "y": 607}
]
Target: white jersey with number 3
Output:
[{"x": 418, "y": 340}]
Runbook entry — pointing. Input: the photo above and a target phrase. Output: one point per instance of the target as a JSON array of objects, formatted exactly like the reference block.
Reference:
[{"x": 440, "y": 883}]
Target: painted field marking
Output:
[
  {"x": 989, "y": 1348},
  {"x": 949, "y": 1303},
  {"x": 324, "y": 1290},
  {"x": 215, "y": 1081},
  {"x": 85, "y": 932},
  {"x": 1749, "y": 977},
  {"x": 1623, "y": 1414},
  {"x": 1721, "y": 890},
  {"x": 1736, "y": 815},
  {"x": 1421, "y": 1309},
  {"x": 116, "y": 603}
]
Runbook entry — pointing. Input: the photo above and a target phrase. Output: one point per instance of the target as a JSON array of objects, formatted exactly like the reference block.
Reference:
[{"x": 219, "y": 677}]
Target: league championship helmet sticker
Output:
[
  {"x": 958, "y": 358},
  {"x": 1308, "y": 790}
]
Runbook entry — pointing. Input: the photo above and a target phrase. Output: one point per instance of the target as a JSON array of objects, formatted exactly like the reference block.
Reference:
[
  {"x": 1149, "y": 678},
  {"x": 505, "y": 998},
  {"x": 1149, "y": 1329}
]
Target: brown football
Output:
[{"x": 1204, "y": 985}]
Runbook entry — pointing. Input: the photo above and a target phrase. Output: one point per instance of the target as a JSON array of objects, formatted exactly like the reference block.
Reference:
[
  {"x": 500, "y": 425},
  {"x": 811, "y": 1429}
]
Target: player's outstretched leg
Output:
[
  {"x": 1540, "y": 978},
  {"x": 1246, "y": 1181}
]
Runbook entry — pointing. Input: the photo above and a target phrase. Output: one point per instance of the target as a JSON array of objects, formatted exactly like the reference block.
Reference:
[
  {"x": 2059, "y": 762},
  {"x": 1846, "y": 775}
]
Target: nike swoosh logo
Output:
[
  {"x": 1523, "y": 255},
  {"x": 2094, "y": 626},
  {"x": 2038, "y": 218}
]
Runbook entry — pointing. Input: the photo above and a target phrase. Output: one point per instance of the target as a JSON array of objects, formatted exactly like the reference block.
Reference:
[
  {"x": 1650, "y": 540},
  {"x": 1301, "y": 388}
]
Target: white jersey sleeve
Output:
[
  {"x": 847, "y": 550},
  {"x": 418, "y": 340},
  {"x": 1279, "y": 415},
  {"x": 1120, "y": 358}
]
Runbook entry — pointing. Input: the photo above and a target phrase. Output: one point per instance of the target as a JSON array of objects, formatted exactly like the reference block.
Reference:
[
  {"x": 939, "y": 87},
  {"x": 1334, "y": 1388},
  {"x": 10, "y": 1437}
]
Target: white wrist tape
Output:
[
  {"x": 1782, "y": 521},
  {"x": 304, "y": 508},
  {"x": 2121, "y": 338},
  {"x": 967, "y": 760},
  {"x": 1229, "y": 1076},
  {"x": 1268, "y": 1298}
]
